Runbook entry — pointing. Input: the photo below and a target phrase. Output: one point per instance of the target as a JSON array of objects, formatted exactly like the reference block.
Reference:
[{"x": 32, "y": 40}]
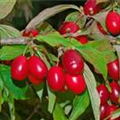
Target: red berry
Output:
[
  {"x": 34, "y": 33},
  {"x": 29, "y": 33},
  {"x": 37, "y": 68},
  {"x": 68, "y": 27},
  {"x": 19, "y": 68},
  {"x": 113, "y": 69},
  {"x": 34, "y": 80},
  {"x": 55, "y": 78},
  {"x": 113, "y": 23},
  {"x": 75, "y": 83},
  {"x": 102, "y": 111},
  {"x": 103, "y": 93},
  {"x": 109, "y": 110},
  {"x": 115, "y": 92},
  {"x": 90, "y": 7},
  {"x": 82, "y": 39},
  {"x": 73, "y": 62},
  {"x": 101, "y": 29}
]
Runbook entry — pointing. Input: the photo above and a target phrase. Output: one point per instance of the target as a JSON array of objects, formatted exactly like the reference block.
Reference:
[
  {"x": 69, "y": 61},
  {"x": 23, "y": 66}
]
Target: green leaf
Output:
[
  {"x": 49, "y": 12},
  {"x": 80, "y": 104},
  {"x": 11, "y": 52},
  {"x": 54, "y": 39},
  {"x": 101, "y": 18},
  {"x": 6, "y": 7},
  {"x": 107, "y": 51},
  {"x": 11, "y": 107},
  {"x": 17, "y": 92},
  {"x": 95, "y": 58},
  {"x": 94, "y": 97},
  {"x": 116, "y": 114},
  {"x": 8, "y": 32},
  {"x": 58, "y": 113},
  {"x": 1, "y": 93},
  {"x": 77, "y": 16},
  {"x": 51, "y": 100}
]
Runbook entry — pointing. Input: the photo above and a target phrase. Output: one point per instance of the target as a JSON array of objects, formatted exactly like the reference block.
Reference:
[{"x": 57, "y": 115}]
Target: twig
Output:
[
  {"x": 14, "y": 41},
  {"x": 33, "y": 112}
]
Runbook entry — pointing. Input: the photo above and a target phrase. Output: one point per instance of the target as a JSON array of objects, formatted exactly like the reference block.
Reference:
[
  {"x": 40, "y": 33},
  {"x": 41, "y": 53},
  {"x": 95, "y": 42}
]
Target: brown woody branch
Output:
[{"x": 15, "y": 41}]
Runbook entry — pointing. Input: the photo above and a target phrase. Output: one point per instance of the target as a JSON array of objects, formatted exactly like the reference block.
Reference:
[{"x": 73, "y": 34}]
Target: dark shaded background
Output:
[{"x": 39, "y": 5}]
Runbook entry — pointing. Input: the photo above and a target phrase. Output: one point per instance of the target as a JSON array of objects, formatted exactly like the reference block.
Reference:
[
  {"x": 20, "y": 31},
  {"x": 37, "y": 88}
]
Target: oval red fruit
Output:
[
  {"x": 113, "y": 69},
  {"x": 109, "y": 110},
  {"x": 55, "y": 78},
  {"x": 72, "y": 62},
  {"x": 115, "y": 92},
  {"x": 113, "y": 23},
  {"x": 75, "y": 83},
  {"x": 102, "y": 111},
  {"x": 37, "y": 68},
  {"x": 19, "y": 68},
  {"x": 30, "y": 33},
  {"x": 82, "y": 39},
  {"x": 103, "y": 93},
  {"x": 91, "y": 8},
  {"x": 70, "y": 27}
]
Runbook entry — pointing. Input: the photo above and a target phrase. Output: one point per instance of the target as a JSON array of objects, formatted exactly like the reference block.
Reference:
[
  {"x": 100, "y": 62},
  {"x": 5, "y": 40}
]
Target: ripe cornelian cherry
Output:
[
  {"x": 103, "y": 93},
  {"x": 102, "y": 111},
  {"x": 82, "y": 39},
  {"x": 37, "y": 68},
  {"x": 115, "y": 92},
  {"x": 68, "y": 27},
  {"x": 101, "y": 29},
  {"x": 72, "y": 62},
  {"x": 75, "y": 83},
  {"x": 113, "y": 23},
  {"x": 109, "y": 110},
  {"x": 30, "y": 33},
  {"x": 91, "y": 8},
  {"x": 19, "y": 68},
  {"x": 34, "y": 80},
  {"x": 113, "y": 69},
  {"x": 55, "y": 78}
]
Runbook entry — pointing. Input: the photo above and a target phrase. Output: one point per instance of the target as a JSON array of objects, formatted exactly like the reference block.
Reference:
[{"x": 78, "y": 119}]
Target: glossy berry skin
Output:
[
  {"x": 109, "y": 110},
  {"x": 103, "y": 93},
  {"x": 19, "y": 68},
  {"x": 101, "y": 29},
  {"x": 115, "y": 92},
  {"x": 90, "y": 7},
  {"x": 75, "y": 83},
  {"x": 113, "y": 23},
  {"x": 113, "y": 69},
  {"x": 34, "y": 80},
  {"x": 55, "y": 78},
  {"x": 30, "y": 33},
  {"x": 37, "y": 68},
  {"x": 68, "y": 27},
  {"x": 72, "y": 62},
  {"x": 102, "y": 111},
  {"x": 82, "y": 39}
]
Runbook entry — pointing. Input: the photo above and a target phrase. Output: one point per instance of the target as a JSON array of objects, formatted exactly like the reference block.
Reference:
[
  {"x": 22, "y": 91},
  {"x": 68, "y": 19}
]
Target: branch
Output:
[{"x": 15, "y": 41}]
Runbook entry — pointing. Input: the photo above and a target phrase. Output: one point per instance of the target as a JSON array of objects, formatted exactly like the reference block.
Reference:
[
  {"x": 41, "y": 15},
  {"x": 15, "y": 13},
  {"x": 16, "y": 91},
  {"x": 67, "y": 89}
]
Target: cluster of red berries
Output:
[
  {"x": 110, "y": 99},
  {"x": 58, "y": 77},
  {"x": 69, "y": 75},
  {"x": 34, "y": 68}
]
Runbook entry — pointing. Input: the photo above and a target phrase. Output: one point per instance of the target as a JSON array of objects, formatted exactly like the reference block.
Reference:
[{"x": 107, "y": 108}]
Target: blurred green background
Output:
[{"x": 25, "y": 10}]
